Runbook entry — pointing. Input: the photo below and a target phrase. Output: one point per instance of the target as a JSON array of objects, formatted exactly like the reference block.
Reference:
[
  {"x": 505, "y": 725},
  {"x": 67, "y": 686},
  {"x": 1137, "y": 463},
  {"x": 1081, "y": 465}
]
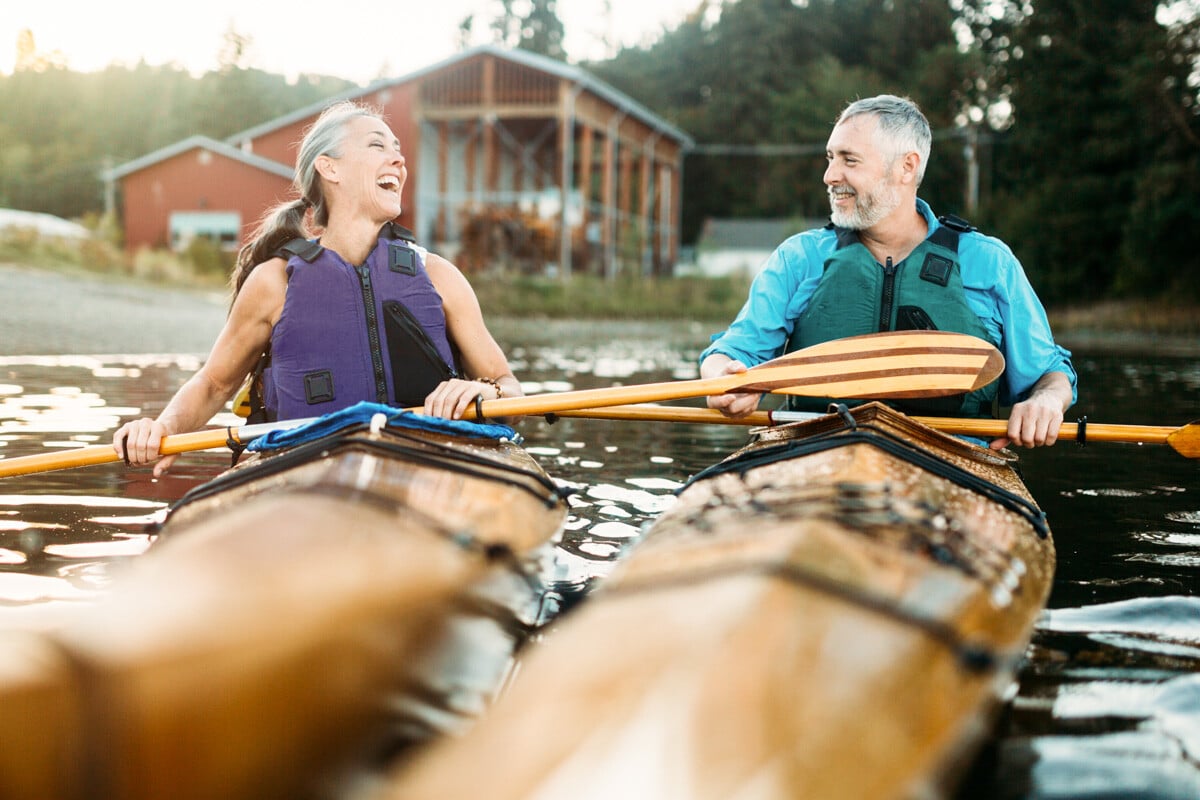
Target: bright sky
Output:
[{"x": 354, "y": 39}]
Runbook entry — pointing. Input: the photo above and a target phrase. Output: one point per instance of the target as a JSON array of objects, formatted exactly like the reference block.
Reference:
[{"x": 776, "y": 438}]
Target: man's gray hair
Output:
[{"x": 902, "y": 126}]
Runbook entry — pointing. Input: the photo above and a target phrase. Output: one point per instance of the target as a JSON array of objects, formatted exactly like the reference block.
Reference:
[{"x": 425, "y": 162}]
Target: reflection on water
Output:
[{"x": 1108, "y": 704}]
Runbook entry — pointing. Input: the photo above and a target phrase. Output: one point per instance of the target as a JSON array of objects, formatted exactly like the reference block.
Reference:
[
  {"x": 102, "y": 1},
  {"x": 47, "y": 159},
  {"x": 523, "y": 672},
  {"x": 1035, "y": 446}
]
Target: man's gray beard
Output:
[{"x": 869, "y": 209}]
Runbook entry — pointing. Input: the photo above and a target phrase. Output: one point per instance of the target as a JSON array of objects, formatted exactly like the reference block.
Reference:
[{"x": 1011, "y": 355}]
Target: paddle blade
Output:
[
  {"x": 899, "y": 364},
  {"x": 1186, "y": 440}
]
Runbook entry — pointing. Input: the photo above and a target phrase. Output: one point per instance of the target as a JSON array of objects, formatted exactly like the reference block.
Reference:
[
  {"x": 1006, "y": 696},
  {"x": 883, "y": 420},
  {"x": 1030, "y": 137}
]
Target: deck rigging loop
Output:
[
  {"x": 236, "y": 447},
  {"x": 870, "y": 434},
  {"x": 843, "y": 411}
]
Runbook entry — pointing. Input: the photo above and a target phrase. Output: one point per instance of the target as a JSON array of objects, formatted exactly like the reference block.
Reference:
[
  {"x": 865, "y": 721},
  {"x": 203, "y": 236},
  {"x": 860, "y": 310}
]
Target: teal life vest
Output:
[{"x": 856, "y": 295}]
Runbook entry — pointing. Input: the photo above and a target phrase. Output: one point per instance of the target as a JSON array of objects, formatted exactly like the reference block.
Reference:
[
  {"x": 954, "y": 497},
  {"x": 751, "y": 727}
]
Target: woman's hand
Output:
[
  {"x": 452, "y": 398},
  {"x": 138, "y": 442}
]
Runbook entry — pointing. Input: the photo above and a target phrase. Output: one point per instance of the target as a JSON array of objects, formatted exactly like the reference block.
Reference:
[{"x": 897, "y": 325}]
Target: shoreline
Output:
[
  {"x": 1130, "y": 342},
  {"x": 56, "y": 311}
]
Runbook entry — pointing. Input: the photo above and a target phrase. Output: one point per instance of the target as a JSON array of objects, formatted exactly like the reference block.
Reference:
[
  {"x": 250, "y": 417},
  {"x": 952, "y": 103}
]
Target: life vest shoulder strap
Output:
[
  {"x": 946, "y": 234},
  {"x": 845, "y": 236},
  {"x": 300, "y": 248},
  {"x": 394, "y": 231},
  {"x": 949, "y": 231}
]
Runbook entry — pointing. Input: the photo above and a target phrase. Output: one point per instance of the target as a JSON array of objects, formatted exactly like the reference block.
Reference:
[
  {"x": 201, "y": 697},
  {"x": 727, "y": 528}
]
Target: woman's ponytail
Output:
[{"x": 278, "y": 226}]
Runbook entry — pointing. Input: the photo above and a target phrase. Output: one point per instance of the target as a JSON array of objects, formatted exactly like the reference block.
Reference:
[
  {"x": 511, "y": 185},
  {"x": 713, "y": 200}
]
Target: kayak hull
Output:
[
  {"x": 304, "y": 614},
  {"x": 834, "y": 615}
]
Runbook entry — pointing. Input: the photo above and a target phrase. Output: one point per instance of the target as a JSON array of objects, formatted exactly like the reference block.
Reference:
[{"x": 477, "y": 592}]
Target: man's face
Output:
[{"x": 862, "y": 178}]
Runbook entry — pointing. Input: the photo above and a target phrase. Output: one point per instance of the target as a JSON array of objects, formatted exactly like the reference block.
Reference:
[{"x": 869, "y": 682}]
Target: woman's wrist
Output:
[{"x": 495, "y": 384}]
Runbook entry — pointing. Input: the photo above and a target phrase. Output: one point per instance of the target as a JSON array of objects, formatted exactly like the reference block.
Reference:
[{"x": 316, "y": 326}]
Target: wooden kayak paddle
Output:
[
  {"x": 890, "y": 365},
  {"x": 903, "y": 364},
  {"x": 1184, "y": 439}
]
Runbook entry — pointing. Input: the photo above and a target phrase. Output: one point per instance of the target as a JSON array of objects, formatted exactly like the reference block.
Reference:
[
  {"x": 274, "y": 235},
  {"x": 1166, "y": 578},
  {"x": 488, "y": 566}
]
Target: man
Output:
[{"x": 887, "y": 263}]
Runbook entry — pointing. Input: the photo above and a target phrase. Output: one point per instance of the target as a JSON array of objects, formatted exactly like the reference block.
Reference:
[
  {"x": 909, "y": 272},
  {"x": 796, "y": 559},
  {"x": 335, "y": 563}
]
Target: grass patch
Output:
[
  {"x": 626, "y": 297},
  {"x": 1163, "y": 317},
  {"x": 203, "y": 265}
]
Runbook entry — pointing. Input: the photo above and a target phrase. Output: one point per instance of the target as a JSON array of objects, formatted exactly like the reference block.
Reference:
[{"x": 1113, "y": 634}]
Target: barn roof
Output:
[
  {"x": 552, "y": 66},
  {"x": 202, "y": 142}
]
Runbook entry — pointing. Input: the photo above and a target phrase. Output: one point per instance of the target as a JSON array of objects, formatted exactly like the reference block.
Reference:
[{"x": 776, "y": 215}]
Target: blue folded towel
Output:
[{"x": 363, "y": 412}]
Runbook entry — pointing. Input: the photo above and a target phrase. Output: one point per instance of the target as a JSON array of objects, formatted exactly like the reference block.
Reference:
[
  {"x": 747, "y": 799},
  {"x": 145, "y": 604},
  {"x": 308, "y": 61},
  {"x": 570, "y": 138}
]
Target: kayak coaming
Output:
[
  {"x": 756, "y": 646},
  {"x": 273, "y": 637}
]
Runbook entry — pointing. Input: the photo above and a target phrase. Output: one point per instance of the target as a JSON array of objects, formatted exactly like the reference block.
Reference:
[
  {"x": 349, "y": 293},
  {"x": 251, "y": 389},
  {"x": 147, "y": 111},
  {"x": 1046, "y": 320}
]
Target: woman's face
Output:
[{"x": 369, "y": 175}]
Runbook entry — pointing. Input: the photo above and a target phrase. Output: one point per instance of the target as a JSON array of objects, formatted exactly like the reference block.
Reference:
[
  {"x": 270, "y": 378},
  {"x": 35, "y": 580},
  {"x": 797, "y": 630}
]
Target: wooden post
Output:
[
  {"x": 440, "y": 232},
  {"x": 647, "y": 201},
  {"x": 566, "y": 146},
  {"x": 625, "y": 193},
  {"x": 585, "y": 183},
  {"x": 606, "y": 202}
]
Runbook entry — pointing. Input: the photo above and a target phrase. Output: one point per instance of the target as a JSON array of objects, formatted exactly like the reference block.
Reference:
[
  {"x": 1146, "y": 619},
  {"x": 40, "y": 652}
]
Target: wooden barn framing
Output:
[{"x": 506, "y": 150}]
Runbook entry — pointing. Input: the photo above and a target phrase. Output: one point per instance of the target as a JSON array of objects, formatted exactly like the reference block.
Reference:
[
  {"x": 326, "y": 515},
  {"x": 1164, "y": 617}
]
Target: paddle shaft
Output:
[
  {"x": 501, "y": 407},
  {"x": 1184, "y": 439},
  {"x": 170, "y": 445},
  {"x": 878, "y": 365}
]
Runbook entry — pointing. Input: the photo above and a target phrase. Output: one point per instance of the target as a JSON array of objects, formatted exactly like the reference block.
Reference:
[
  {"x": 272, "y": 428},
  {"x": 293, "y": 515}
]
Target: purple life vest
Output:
[{"x": 375, "y": 332}]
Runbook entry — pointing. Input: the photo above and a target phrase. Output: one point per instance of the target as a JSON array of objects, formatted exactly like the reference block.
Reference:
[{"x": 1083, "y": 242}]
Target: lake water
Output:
[{"x": 1109, "y": 698}]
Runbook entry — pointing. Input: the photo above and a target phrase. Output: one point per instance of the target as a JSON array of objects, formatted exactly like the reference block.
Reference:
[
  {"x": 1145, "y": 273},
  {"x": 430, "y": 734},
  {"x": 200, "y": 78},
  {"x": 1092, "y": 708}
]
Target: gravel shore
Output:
[{"x": 44, "y": 312}]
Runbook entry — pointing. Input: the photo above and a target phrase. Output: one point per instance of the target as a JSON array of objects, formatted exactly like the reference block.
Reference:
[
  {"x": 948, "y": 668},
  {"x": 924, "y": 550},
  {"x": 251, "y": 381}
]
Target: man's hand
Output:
[
  {"x": 1035, "y": 422},
  {"x": 731, "y": 405}
]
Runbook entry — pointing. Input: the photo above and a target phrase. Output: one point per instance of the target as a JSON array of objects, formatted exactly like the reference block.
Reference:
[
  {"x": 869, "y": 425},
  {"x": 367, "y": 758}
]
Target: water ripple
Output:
[
  {"x": 1175, "y": 617},
  {"x": 1114, "y": 766},
  {"x": 1185, "y": 560},
  {"x": 1169, "y": 538}
]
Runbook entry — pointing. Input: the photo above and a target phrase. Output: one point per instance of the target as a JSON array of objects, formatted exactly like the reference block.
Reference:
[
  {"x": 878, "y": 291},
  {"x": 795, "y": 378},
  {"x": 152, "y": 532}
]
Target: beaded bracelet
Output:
[{"x": 494, "y": 384}]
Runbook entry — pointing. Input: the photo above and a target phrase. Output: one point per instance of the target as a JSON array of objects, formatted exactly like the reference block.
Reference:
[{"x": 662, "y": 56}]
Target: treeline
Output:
[
  {"x": 1070, "y": 130},
  {"x": 59, "y": 129}
]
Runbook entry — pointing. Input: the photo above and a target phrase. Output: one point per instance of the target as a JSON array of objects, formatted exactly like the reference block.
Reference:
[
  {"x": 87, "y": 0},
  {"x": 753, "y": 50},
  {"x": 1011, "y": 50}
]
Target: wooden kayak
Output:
[
  {"x": 835, "y": 611},
  {"x": 297, "y": 617}
]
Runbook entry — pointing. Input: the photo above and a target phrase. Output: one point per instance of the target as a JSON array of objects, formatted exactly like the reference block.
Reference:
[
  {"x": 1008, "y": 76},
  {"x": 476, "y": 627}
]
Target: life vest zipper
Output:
[
  {"x": 888, "y": 295},
  {"x": 364, "y": 278}
]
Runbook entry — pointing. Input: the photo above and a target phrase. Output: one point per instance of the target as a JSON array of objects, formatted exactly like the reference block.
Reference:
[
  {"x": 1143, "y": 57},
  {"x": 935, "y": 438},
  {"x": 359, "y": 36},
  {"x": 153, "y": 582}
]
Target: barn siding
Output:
[
  {"x": 196, "y": 180},
  {"x": 483, "y": 134}
]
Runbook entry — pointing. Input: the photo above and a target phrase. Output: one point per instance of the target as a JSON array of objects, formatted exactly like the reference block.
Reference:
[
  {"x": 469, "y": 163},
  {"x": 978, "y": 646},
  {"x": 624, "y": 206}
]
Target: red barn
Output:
[{"x": 506, "y": 150}]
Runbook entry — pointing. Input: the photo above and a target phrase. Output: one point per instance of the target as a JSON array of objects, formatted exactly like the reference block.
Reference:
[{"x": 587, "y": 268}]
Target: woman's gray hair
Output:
[
  {"x": 286, "y": 221},
  {"x": 324, "y": 138},
  {"x": 902, "y": 127}
]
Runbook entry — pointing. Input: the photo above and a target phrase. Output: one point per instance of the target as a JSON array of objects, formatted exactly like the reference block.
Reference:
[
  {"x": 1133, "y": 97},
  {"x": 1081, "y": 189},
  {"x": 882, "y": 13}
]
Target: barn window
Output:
[{"x": 223, "y": 228}]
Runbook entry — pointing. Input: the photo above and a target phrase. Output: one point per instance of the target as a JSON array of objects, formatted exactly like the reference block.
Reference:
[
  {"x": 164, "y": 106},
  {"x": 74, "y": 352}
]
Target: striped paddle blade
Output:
[{"x": 901, "y": 364}]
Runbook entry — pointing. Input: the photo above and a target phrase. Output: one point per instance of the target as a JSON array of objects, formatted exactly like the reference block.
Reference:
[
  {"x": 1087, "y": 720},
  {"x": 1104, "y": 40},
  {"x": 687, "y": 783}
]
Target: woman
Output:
[{"x": 359, "y": 314}]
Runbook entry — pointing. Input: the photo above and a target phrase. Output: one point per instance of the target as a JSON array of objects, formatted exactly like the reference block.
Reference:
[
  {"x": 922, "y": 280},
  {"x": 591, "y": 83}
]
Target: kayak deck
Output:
[
  {"x": 295, "y": 617},
  {"x": 836, "y": 612}
]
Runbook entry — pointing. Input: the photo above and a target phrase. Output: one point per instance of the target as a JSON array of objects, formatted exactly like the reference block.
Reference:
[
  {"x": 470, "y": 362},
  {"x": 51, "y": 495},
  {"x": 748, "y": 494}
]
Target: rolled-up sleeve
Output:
[
  {"x": 1026, "y": 339},
  {"x": 777, "y": 297}
]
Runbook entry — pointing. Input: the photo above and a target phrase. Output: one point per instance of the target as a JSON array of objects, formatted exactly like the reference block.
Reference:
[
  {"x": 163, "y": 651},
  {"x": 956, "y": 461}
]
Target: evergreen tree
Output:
[
  {"x": 1159, "y": 239},
  {"x": 542, "y": 31},
  {"x": 1085, "y": 82},
  {"x": 62, "y": 129},
  {"x": 774, "y": 72}
]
